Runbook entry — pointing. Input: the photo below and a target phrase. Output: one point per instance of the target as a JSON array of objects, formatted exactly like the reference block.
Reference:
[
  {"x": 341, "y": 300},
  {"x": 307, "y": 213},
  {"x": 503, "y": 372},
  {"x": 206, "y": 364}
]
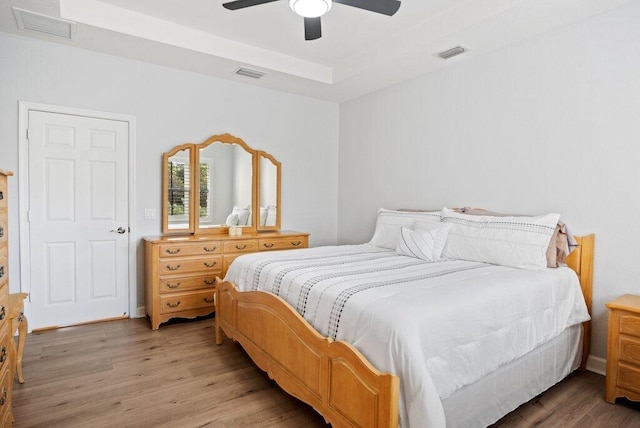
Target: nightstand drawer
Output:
[
  {"x": 630, "y": 324},
  {"x": 184, "y": 302},
  {"x": 629, "y": 350},
  {"x": 211, "y": 264},
  {"x": 629, "y": 377},
  {"x": 199, "y": 249},
  {"x": 4, "y": 346}
]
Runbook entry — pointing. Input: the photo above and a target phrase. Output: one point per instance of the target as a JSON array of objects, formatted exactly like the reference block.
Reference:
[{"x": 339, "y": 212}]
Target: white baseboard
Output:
[
  {"x": 597, "y": 365},
  {"x": 141, "y": 312}
]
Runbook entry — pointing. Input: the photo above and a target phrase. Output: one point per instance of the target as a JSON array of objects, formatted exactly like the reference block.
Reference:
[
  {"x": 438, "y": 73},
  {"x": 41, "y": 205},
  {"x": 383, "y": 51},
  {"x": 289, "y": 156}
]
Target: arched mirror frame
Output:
[
  {"x": 277, "y": 166},
  {"x": 227, "y": 139},
  {"x": 194, "y": 188},
  {"x": 165, "y": 190}
]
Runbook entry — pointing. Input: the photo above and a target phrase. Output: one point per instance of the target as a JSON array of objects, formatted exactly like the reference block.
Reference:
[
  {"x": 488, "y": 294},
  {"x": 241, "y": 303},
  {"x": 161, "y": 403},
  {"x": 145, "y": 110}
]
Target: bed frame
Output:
[{"x": 333, "y": 376}]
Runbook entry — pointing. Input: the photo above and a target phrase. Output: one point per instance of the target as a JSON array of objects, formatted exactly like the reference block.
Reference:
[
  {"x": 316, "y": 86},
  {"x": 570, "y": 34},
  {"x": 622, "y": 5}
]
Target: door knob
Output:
[{"x": 119, "y": 230}]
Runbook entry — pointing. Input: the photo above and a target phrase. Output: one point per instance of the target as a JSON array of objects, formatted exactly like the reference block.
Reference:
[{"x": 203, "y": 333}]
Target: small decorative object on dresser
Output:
[
  {"x": 623, "y": 349},
  {"x": 219, "y": 214},
  {"x": 7, "y": 351}
]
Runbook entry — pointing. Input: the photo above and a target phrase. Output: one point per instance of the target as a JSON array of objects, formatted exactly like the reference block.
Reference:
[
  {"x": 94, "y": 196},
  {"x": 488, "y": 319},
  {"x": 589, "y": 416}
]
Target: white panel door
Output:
[{"x": 78, "y": 199}]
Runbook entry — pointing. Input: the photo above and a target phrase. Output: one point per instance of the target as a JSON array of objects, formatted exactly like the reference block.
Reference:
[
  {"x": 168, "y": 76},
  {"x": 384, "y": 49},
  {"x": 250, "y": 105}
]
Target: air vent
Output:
[
  {"x": 449, "y": 53},
  {"x": 44, "y": 24},
  {"x": 247, "y": 72}
]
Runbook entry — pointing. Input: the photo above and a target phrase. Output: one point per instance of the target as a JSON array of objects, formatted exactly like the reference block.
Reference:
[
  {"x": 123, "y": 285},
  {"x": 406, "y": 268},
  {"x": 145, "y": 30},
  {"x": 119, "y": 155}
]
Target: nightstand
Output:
[{"x": 623, "y": 349}]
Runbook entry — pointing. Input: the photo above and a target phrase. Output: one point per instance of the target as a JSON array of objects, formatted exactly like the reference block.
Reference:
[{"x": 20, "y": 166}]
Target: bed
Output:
[{"x": 330, "y": 325}]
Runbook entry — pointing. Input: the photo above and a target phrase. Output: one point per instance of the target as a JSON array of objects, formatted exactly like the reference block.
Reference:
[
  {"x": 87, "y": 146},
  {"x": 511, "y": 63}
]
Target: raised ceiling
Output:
[{"x": 359, "y": 52}]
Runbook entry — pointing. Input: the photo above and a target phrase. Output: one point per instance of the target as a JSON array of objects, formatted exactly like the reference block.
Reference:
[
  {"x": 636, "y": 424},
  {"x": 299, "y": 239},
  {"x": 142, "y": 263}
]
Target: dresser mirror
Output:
[
  {"x": 226, "y": 186},
  {"x": 268, "y": 192},
  {"x": 177, "y": 216},
  {"x": 220, "y": 183}
]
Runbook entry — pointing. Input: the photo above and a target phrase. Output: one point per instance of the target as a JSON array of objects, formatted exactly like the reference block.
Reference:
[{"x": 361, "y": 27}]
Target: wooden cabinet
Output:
[
  {"x": 623, "y": 349},
  {"x": 180, "y": 272},
  {"x": 7, "y": 357}
]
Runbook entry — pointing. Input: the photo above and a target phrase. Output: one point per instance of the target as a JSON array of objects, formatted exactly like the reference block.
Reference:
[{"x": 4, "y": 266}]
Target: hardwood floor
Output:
[{"x": 123, "y": 374}]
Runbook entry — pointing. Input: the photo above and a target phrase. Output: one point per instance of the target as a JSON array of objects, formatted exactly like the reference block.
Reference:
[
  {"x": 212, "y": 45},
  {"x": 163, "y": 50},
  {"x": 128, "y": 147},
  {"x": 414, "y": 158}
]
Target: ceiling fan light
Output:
[{"x": 310, "y": 8}]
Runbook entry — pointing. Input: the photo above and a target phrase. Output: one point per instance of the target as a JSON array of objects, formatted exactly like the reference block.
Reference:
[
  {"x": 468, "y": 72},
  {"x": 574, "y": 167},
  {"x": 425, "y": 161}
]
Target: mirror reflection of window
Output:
[
  {"x": 178, "y": 192},
  {"x": 226, "y": 182}
]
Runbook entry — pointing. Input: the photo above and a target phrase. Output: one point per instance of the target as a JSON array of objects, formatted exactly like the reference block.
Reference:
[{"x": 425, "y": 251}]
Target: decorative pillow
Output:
[
  {"x": 508, "y": 241},
  {"x": 559, "y": 245},
  {"x": 263, "y": 216},
  {"x": 270, "y": 219},
  {"x": 389, "y": 223},
  {"x": 232, "y": 220},
  {"x": 243, "y": 214},
  {"x": 426, "y": 241}
]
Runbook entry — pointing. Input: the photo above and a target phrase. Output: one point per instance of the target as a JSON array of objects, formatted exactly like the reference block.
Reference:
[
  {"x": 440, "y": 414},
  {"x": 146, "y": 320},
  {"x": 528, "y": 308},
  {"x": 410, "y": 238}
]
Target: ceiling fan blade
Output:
[
  {"x": 386, "y": 7},
  {"x": 241, "y": 4},
  {"x": 312, "y": 28}
]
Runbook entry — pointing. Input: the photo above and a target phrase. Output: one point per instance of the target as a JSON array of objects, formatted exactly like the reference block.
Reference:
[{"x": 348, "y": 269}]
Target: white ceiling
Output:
[{"x": 359, "y": 52}]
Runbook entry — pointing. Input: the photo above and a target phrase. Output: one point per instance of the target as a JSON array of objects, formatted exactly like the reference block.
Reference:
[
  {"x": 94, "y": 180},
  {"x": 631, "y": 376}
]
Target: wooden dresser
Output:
[
  {"x": 6, "y": 350},
  {"x": 180, "y": 271},
  {"x": 623, "y": 349}
]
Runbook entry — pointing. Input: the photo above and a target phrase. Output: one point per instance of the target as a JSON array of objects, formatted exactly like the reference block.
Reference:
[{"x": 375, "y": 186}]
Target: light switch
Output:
[{"x": 150, "y": 214}]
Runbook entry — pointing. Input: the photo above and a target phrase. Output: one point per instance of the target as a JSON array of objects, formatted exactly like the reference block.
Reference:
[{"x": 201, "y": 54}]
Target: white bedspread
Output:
[{"x": 438, "y": 326}]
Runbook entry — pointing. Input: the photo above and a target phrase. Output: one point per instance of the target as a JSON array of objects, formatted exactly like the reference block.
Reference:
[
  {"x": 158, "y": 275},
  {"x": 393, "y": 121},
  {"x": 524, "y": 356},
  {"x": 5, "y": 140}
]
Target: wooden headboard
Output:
[{"x": 581, "y": 261}]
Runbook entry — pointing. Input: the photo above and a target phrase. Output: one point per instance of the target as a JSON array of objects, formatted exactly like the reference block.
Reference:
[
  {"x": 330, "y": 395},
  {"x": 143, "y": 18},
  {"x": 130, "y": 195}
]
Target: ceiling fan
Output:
[{"x": 312, "y": 10}]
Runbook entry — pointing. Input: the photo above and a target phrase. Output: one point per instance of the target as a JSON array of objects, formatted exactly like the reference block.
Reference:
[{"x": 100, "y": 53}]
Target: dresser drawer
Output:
[
  {"x": 4, "y": 307},
  {"x": 4, "y": 346},
  {"x": 248, "y": 246},
  {"x": 3, "y": 229},
  {"x": 190, "y": 249},
  {"x": 629, "y": 350},
  {"x": 3, "y": 193},
  {"x": 208, "y": 265},
  {"x": 5, "y": 390},
  {"x": 281, "y": 243},
  {"x": 629, "y": 377},
  {"x": 183, "y": 302},
  {"x": 630, "y": 324},
  {"x": 4, "y": 266},
  {"x": 183, "y": 283}
]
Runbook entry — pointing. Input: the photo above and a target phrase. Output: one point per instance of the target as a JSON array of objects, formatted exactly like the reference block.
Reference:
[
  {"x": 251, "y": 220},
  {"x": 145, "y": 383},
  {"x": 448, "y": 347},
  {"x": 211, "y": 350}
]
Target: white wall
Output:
[
  {"x": 174, "y": 107},
  {"x": 549, "y": 124}
]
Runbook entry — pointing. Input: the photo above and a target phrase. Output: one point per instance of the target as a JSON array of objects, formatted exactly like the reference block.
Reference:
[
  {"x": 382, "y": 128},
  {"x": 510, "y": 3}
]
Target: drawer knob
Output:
[
  {"x": 210, "y": 249},
  {"x": 1, "y": 232},
  {"x": 3, "y": 313},
  {"x": 176, "y": 267},
  {"x": 3, "y": 354},
  {"x": 296, "y": 243},
  {"x": 1, "y": 195},
  {"x": 241, "y": 247},
  {"x": 208, "y": 299},
  {"x": 170, "y": 251},
  {"x": 1, "y": 271},
  {"x": 175, "y": 305},
  {"x": 176, "y": 285},
  {"x": 268, "y": 244},
  {"x": 209, "y": 281},
  {"x": 3, "y": 399},
  {"x": 210, "y": 265}
]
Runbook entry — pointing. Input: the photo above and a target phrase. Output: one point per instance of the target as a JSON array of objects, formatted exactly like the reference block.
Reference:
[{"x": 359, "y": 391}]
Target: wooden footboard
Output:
[{"x": 331, "y": 376}]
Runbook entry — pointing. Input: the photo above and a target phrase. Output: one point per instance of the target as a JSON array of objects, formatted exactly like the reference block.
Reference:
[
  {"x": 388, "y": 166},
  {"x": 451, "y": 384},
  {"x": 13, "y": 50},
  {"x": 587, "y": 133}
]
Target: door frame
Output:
[{"x": 24, "y": 107}]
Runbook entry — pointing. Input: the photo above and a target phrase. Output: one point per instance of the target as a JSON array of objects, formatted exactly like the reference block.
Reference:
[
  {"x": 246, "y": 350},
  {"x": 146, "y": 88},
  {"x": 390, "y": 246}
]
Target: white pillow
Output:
[
  {"x": 425, "y": 242},
  {"x": 232, "y": 220},
  {"x": 389, "y": 223},
  {"x": 263, "y": 216},
  {"x": 519, "y": 242},
  {"x": 243, "y": 214},
  {"x": 270, "y": 219}
]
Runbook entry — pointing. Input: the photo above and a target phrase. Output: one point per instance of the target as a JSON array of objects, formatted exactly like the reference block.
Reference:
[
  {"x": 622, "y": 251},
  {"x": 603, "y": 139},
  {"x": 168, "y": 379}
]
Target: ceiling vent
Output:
[
  {"x": 44, "y": 24},
  {"x": 449, "y": 53},
  {"x": 247, "y": 72}
]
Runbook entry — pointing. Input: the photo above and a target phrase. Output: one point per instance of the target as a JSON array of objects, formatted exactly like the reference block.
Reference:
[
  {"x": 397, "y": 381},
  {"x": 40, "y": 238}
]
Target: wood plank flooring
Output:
[{"x": 123, "y": 374}]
